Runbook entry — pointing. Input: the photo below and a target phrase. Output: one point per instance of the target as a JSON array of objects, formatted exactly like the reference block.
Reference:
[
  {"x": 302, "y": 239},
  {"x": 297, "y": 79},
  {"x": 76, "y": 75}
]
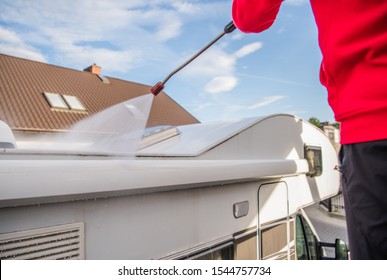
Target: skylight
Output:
[
  {"x": 64, "y": 102},
  {"x": 55, "y": 100},
  {"x": 73, "y": 102}
]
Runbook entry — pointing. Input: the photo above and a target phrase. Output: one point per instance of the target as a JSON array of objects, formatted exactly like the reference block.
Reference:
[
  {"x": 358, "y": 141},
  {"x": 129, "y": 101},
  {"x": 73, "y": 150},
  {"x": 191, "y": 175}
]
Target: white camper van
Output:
[{"x": 221, "y": 190}]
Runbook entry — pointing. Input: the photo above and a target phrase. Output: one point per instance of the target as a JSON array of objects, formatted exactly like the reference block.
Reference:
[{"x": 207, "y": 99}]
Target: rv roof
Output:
[
  {"x": 197, "y": 138},
  {"x": 187, "y": 140}
]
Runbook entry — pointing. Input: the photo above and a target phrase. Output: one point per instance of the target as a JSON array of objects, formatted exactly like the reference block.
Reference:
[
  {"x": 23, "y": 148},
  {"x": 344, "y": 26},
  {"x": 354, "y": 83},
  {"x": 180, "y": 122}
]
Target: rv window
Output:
[{"x": 313, "y": 155}]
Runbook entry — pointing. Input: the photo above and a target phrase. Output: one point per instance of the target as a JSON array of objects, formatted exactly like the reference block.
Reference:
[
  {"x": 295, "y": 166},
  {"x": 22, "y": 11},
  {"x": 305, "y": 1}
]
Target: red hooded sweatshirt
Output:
[{"x": 353, "y": 41}]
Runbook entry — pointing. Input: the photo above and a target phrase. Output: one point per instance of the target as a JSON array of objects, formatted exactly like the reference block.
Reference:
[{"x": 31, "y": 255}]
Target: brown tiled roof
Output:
[{"x": 24, "y": 107}]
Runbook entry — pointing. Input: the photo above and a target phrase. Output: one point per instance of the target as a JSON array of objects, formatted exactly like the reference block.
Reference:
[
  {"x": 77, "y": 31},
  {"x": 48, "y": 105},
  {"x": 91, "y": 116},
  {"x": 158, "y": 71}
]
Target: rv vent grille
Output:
[{"x": 57, "y": 242}]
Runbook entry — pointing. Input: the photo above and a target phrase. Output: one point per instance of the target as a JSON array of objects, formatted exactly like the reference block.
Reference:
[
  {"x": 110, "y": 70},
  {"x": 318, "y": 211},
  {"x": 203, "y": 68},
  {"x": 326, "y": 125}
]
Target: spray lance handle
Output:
[
  {"x": 157, "y": 88},
  {"x": 230, "y": 27}
]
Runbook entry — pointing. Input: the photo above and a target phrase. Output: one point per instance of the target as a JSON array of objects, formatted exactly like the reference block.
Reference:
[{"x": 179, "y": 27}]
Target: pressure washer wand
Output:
[{"x": 157, "y": 88}]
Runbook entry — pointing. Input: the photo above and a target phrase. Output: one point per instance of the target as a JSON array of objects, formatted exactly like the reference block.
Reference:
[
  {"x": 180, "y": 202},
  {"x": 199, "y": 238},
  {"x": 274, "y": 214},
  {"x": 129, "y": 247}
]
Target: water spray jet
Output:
[{"x": 158, "y": 87}]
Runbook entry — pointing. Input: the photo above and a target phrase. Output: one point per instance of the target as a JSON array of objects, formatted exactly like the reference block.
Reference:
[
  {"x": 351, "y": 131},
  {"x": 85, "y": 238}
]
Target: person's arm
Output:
[{"x": 254, "y": 16}]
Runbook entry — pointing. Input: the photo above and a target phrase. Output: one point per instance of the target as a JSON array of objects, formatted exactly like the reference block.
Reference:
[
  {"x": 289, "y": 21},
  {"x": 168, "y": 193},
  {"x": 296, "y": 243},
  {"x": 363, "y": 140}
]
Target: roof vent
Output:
[
  {"x": 156, "y": 134},
  {"x": 7, "y": 140},
  {"x": 103, "y": 78}
]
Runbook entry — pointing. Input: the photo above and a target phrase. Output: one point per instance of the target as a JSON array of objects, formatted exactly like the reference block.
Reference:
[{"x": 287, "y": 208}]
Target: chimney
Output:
[{"x": 94, "y": 69}]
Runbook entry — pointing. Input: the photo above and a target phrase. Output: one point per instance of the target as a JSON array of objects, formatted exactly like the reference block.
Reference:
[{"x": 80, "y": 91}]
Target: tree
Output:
[
  {"x": 337, "y": 125},
  {"x": 315, "y": 121}
]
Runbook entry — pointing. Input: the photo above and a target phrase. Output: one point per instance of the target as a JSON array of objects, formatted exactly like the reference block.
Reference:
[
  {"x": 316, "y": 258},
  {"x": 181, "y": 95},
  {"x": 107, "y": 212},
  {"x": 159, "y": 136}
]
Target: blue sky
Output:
[{"x": 243, "y": 75}]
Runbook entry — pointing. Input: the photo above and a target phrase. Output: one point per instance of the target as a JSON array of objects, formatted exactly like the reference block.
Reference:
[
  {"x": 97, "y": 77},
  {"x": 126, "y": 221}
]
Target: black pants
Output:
[{"x": 364, "y": 183}]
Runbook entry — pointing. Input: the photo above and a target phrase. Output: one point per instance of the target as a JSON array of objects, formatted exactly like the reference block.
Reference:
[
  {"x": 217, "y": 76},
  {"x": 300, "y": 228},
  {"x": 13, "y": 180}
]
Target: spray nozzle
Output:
[{"x": 157, "y": 88}]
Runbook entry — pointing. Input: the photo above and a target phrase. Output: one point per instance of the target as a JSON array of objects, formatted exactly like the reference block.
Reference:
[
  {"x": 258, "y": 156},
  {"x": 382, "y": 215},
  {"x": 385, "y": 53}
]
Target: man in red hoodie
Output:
[{"x": 352, "y": 36}]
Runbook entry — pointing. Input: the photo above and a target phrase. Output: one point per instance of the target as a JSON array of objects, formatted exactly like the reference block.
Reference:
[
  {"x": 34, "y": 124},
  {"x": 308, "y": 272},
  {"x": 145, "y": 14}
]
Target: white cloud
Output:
[
  {"x": 9, "y": 36},
  {"x": 248, "y": 49},
  {"x": 261, "y": 103},
  {"x": 219, "y": 66},
  {"x": 69, "y": 32},
  {"x": 276, "y": 80},
  {"x": 12, "y": 44},
  {"x": 214, "y": 62},
  {"x": 171, "y": 28},
  {"x": 111, "y": 61},
  {"x": 235, "y": 108},
  {"x": 23, "y": 52},
  {"x": 221, "y": 84},
  {"x": 201, "y": 107},
  {"x": 185, "y": 7},
  {"x": 266, "y": 101},
  {"x": 237, "y": 36}
]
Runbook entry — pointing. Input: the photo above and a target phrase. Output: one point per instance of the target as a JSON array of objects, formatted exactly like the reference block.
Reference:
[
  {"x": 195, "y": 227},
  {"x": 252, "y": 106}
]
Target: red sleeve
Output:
[{"x": 254, "y": 16}]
